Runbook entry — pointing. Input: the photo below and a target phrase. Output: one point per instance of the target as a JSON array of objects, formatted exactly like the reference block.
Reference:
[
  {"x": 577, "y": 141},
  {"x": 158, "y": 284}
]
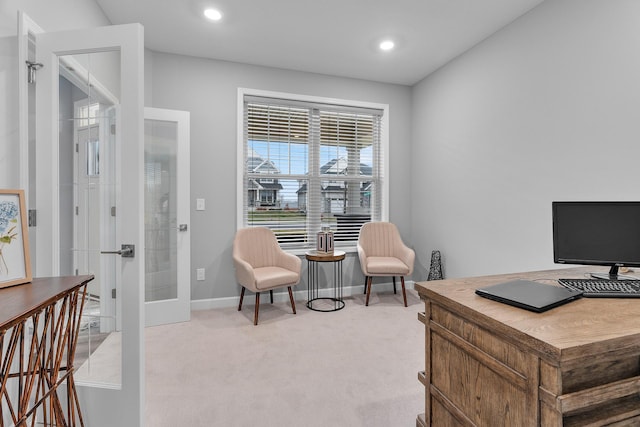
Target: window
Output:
[{"x": 308, "y": 164}]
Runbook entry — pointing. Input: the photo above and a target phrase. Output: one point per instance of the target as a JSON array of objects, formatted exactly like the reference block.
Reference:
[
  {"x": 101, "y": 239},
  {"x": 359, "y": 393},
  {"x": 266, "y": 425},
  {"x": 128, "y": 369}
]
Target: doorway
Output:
[
  {"x": 88, "y": 186},
  {"x": 167, "y": 213}
]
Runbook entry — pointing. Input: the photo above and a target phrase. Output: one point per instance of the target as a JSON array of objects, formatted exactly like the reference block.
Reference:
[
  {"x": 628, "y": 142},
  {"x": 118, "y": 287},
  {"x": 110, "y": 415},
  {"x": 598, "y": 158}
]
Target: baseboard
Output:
[{"x": 299, "y": 294}]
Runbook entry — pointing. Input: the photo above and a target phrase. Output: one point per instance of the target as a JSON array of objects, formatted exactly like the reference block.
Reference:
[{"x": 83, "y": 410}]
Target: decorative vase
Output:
[
  {"x": 324, "y": 241},
  {"x": 435, "y": 270}
]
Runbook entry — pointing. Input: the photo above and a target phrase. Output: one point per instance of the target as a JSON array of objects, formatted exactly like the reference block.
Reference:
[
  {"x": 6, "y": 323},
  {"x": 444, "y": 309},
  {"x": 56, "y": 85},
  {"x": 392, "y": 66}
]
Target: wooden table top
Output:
[
  {"x": 17, "y": 302},
  {"x": 325, "y": 256},
  {"x": 581, "y": 327}
]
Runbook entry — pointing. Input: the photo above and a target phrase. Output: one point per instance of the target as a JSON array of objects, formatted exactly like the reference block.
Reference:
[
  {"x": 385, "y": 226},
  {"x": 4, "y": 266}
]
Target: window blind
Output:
[{"x": 309, "y": 166}]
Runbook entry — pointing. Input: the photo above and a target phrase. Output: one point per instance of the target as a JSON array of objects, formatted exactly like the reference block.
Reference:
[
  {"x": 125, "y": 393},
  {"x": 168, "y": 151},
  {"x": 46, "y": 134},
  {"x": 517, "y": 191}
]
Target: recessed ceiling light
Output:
[
  {"x": 387, "y": 45},
  {"x": 213, "y": 14}
]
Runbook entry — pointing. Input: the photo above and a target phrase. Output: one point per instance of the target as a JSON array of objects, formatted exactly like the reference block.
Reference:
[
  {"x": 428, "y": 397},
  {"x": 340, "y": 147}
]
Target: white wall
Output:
[
  {"x": 208, "y": 89},
  {"x": 495, "y": 130}
]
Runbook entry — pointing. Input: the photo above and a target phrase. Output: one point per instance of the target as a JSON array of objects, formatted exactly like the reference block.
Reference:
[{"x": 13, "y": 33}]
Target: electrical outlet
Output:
[
  {"x": 199, "y": 204},
  {"x": 200, "y": 274}
]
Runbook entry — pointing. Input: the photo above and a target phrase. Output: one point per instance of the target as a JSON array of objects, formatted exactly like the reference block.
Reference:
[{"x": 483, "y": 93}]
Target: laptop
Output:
[{"x": 532, "y": 296}]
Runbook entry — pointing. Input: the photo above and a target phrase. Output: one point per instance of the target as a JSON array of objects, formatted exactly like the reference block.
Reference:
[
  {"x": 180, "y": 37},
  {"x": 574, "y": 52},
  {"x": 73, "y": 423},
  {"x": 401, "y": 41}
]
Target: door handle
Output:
[
  {"x": 127, "y": 251},
  {"x": 182, "y": 227}
]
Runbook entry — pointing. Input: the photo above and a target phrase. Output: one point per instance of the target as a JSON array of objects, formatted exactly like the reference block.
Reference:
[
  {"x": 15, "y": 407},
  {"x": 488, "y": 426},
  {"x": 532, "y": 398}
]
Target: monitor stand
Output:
[{"x": 612, "y": 275}]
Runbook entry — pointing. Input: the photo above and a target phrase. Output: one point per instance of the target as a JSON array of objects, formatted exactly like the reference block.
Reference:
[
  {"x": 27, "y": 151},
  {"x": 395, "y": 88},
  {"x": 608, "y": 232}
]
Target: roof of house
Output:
[
  {"x": 255, "y": 184},
  {"x": 339, "y": 167}
]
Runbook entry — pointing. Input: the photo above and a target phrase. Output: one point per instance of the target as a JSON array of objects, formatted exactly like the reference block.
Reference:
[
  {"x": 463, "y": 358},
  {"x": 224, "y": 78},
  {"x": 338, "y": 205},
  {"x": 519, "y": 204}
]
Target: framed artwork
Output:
[{"x": 15, "y": 264}]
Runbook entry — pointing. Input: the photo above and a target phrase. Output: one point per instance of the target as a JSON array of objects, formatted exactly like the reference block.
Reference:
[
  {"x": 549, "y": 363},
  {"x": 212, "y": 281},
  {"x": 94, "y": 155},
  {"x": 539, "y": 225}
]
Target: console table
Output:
[
  {"x": 39, "y": 325},
  {"x": 489, "y": 364},
  {"x": 313, "y": 258}
]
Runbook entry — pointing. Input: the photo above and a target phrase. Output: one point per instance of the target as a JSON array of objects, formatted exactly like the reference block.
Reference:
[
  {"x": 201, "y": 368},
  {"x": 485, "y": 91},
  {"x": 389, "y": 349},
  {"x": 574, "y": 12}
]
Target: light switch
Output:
[
  {"x": 200, "y": 274},
  {"x": 199, "y": 204}
]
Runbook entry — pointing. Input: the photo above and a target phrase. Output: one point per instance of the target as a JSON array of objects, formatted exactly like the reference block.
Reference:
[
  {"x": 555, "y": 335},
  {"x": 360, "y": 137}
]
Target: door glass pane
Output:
[
  {"x": 88, "y": 103},
  {"x": 160, "y": 174}
]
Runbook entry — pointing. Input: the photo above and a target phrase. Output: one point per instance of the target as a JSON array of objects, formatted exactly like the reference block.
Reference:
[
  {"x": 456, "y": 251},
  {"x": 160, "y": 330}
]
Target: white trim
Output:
[
  {"x": 299, "y": 295},
  {"x": 25, "y": 26},
  {"x": 309, "y": 98},
  {"x": 384, "y": 139},
  {"x": 240, "y": 158}
]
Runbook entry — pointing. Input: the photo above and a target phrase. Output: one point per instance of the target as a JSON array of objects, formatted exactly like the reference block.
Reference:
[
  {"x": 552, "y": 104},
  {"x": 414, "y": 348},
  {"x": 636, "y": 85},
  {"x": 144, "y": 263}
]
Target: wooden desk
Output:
[
  {"x": 39, "y": 325},
  {"x": 490, "y": 364}
]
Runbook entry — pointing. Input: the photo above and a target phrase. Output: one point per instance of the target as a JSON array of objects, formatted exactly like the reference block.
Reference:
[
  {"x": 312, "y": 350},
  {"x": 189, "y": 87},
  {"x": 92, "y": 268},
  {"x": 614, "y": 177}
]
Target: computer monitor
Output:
[{"x": 597, "y": 233}]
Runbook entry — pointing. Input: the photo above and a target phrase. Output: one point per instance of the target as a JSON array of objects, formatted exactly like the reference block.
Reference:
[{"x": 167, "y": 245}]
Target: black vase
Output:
[{"x": 435, "y": 270}]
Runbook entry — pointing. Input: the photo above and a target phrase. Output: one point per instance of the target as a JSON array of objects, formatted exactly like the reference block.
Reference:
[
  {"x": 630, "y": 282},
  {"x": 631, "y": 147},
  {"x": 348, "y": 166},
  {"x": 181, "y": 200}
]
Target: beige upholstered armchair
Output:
[
  {"x": 261, "y": 265},
  {"x": 382, "y": 253}
]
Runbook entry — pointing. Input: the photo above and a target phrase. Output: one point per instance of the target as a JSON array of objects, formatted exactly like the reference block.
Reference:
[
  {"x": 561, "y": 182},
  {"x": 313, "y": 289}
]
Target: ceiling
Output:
[{"x": 335, "y": 37}]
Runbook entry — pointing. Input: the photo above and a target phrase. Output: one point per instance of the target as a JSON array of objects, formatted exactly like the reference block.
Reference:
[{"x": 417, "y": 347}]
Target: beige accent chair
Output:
[
  {"x": 261, "y": 265},
  {"x": 382, "y": 253}
]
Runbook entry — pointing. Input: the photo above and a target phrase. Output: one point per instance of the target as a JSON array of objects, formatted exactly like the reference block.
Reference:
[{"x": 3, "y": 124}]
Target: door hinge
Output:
[
  {"x": 77, "y": 210},
  {"x": 113, "y": 211},
  {"x": 77, "y": 148},
  {"x": 32, "y": 68},
  {"x": 32, "y": 217},
  {"x": 113, "y": 293},
  {"x": 113, "y": 129}
]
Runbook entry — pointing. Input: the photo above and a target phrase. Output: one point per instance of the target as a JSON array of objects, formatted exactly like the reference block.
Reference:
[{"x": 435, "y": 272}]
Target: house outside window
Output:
[{"x": 309, "y": 163}]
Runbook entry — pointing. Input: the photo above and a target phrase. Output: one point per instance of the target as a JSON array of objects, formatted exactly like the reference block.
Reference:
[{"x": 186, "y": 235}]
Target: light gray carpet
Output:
[{"x": 354, "y": 367}]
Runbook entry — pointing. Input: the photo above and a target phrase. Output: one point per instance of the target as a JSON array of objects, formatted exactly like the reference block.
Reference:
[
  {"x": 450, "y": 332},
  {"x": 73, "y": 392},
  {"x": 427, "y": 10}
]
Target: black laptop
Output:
[{"x": 529, "y": 295}]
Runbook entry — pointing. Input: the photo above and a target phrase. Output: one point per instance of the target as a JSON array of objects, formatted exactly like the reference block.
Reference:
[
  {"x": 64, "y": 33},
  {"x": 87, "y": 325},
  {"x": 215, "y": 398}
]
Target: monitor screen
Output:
[{"x": 597, "y": 233}]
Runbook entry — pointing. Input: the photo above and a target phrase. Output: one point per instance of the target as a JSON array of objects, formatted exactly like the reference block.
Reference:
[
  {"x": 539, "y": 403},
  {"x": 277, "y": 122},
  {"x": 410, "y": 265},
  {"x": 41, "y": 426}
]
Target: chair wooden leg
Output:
[
  {"x": 366, "y": 278},
  {"x": 293, "y": 304},
  {"x": 241, "y": 298},
  {"x": 394, "y": 285},
  {"x": 404, "y": 294},
  {"x": 368, "y": 290},
  {"x": 255, "y": 313},
  {"x": 271, "y": 295}
]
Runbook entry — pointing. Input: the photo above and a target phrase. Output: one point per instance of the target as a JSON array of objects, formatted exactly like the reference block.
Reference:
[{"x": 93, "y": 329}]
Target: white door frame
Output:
[
  {"x": 100, "y": 406},
  {"x": 177, "y": 309}
]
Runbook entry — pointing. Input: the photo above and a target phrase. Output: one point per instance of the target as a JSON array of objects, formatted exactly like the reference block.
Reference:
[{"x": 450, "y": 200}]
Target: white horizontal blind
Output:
[
  {"x": 348, "y": 181},
  {"x": 309, "y": 166}
]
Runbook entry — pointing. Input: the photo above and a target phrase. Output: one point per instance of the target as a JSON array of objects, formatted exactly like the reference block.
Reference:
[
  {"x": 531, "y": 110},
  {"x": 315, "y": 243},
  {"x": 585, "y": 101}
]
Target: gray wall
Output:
[
  {"x": 479, "y": 144},
  {"x": 494, "y": 130},
  {"x": 208, "y": 89}
]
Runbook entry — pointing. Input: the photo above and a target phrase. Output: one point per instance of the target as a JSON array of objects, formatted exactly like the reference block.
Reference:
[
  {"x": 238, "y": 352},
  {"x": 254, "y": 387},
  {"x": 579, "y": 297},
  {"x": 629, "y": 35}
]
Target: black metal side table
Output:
[{"x": 315, "y": 302}]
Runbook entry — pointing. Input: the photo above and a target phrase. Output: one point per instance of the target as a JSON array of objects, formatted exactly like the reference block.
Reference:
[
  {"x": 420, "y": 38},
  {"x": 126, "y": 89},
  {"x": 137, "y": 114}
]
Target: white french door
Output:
[
  {"x": 85, "y": 217},
  {"x": 166, "y": 204}
]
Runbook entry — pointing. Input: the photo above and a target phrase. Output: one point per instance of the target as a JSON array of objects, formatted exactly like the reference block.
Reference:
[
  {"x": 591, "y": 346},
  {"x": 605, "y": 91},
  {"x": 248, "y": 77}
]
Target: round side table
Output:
[{"x": 315, "y": 302}]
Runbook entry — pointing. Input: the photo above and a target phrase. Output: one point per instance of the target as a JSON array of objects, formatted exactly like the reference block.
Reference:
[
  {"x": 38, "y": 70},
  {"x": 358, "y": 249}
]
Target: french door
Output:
[
  {"x": 166, "y": 208},
  {"x": 88, "y": 178}
]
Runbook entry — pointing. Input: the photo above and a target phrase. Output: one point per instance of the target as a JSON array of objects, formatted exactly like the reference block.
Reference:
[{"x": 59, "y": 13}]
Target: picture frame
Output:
[{"x": 15, "y": 263}]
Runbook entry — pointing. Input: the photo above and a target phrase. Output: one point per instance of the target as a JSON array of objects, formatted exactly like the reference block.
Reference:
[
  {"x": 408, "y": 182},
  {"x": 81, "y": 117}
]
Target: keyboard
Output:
[{"x": 596, "y": 288}]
